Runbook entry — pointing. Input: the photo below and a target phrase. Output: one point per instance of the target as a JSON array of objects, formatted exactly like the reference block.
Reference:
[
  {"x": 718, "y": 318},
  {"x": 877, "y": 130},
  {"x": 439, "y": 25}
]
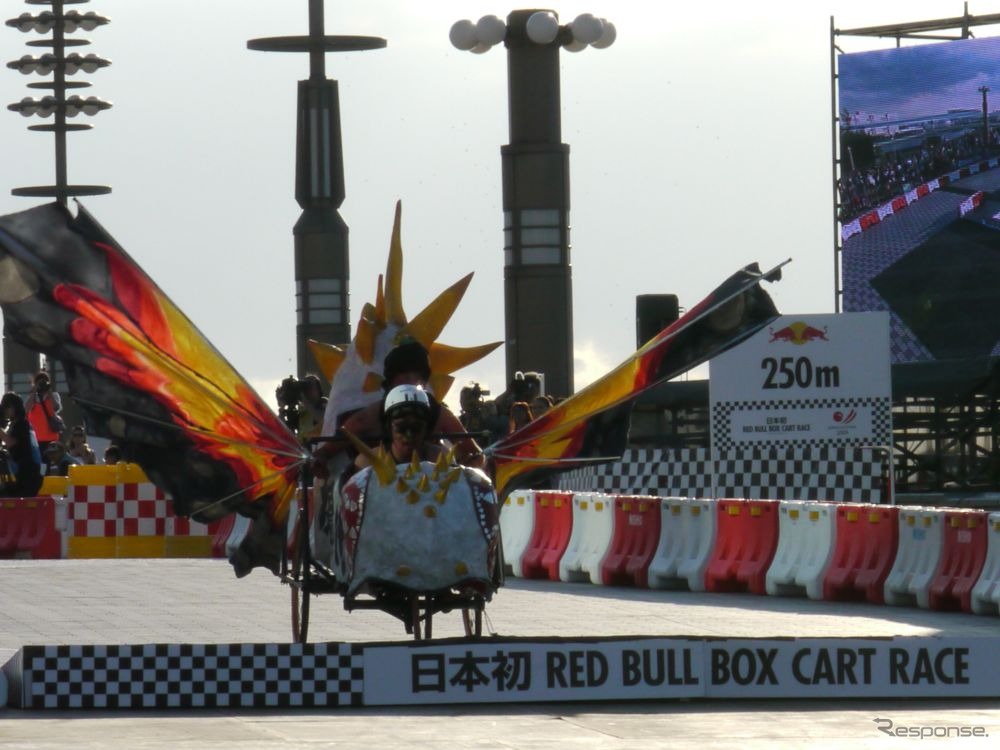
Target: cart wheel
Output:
[
  {"x": 472, "y": 619},
  {"x": 301, "y": 576}
]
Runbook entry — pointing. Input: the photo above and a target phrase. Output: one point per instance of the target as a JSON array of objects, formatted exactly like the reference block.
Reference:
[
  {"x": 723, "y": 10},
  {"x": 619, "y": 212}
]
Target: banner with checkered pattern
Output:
[{"x": 832, "y": 473}]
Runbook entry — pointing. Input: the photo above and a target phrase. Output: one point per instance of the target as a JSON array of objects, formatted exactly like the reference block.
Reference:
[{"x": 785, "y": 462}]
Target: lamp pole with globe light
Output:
[
  {"x": 21, "y": 363},
  {"x": 322, "y": 268},
  {"x": 538, "y": 294}
]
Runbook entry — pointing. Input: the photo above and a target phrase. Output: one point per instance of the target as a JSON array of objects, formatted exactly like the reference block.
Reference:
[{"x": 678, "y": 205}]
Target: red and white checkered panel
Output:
[
  {"x": 143, "y": 509},
  {"x": 94, "y": 510}
]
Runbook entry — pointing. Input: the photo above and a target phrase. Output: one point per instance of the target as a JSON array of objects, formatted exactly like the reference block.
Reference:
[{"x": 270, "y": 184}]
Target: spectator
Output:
[
  {"x": 58, "y": 460},
  {"x": 311, "y": 408},
  {"x": 540, "y": 405},
  {"x": 520, "y": 415},
  {"x": 112, "y": 454},
  {"x": 79, "y": 448},
  {"x": 23, "y": 470},
  {"x": 43, "y": 406}
]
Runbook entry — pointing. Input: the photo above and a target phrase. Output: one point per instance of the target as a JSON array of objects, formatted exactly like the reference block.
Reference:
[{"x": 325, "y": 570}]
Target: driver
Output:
[
  {"x": 407, "y": 364},
  {"x": 406, "y": 425}
]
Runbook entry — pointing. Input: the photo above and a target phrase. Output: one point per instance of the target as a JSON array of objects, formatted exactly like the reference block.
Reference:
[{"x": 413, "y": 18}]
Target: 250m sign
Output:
[{"x": 798, "y": 372}]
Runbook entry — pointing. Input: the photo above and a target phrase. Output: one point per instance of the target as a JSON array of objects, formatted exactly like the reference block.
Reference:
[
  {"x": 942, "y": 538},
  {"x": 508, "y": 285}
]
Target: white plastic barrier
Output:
[
  {"x": 241, "y": 525},
  {"x": 593, "y": 524},
  {"x": 986, "y": 592},
  {"x": 687, "y": 536},
  {"x": 806, "y": 533},
  {"x": 921, "y": 536},
  {"x": 517, "y": 524}
]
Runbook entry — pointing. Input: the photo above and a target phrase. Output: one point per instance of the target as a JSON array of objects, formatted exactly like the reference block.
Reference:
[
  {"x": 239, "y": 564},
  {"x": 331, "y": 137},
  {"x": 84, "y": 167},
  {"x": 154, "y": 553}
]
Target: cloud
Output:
[{"x": 589, "y": 364}]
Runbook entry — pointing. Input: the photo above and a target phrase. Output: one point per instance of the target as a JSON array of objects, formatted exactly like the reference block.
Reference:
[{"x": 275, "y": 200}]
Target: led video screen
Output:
[{"x": 919, "y": 195}]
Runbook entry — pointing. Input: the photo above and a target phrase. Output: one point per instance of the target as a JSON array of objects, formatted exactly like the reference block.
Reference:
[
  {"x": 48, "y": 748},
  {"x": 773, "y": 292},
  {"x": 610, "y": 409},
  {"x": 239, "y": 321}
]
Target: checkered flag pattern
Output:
[
  {"x": 166, "y": 676},
  {"x": 831, "y": 473},
  {"x": 881, "y": 409},
  {"x": 648, "y": 471},
  {"x": 838, "y": 474}
]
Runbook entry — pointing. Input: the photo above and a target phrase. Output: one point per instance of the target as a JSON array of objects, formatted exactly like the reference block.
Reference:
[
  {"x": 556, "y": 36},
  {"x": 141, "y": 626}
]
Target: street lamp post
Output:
[
  {"x": 538, "y": 293},
  {"x": 984, "y": 90},
  {"x": 322, "y": 267},
  {"x": 21, "y": 363}
]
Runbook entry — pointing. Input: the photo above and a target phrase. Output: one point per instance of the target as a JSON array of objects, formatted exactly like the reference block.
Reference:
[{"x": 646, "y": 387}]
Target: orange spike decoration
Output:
[{"x": 355, "y": 374}]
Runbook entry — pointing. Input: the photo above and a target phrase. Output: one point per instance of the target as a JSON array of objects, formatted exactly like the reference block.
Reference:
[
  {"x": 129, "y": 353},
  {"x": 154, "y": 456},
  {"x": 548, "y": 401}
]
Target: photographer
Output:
[
  {"x": 43, "y": 406},
  {"x": 479, "y": 415},
  {"x": 288, "y": 394},
  {"x": 312, "y": 407}
]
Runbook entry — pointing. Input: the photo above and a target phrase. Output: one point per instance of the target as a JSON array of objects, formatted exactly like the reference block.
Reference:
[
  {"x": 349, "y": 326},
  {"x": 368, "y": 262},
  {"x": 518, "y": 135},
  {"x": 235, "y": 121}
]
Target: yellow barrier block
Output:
[
  {"x": 793, "y": 514},
  {"x": 93, "y": 474},
  {"x": 756, "y": 510},
  {"x": 600, "y": 506},
  {"x": 583, "y": 505},
  {"x": 85, "y": 547},
  {"x": 131, "y": 474},
  {"x": 141, "y": 546},
  {"x": 54, "y": 485},
  {"x": 188, "y": 546}
]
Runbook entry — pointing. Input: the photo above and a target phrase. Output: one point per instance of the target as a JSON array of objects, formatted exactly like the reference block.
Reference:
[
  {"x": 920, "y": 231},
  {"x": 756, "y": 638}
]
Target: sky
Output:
[
  {"x": 920, "y": 81},
  {"x": 699, "y": 142}
]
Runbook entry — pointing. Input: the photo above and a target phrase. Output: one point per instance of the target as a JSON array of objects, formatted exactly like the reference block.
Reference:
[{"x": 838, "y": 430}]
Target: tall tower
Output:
[
  {"x": 538, "y": 284},
  {"x": 322, "y": 263}
]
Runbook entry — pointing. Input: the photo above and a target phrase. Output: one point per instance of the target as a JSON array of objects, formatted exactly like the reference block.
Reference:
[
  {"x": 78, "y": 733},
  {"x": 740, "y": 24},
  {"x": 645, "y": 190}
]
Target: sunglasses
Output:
[{"x": 408, "y": 426}]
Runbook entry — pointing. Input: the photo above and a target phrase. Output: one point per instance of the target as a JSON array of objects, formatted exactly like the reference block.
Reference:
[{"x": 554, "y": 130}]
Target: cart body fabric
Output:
[{"x": 426, "y": 529}]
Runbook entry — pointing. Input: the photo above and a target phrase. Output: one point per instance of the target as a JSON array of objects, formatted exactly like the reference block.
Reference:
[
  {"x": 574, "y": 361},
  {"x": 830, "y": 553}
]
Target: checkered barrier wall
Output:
[
  {"x": 647, "y": 471},
  {"x": 115, "y": 511},
  {"x": 836, "y": 473},
  {"x": 164, "y": 676}
]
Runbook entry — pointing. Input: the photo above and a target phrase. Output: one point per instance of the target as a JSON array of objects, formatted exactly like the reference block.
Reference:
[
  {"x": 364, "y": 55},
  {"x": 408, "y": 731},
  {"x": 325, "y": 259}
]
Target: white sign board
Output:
[
  {"x": 816, "y": 379},
  {"x": 656, "y": 668}
]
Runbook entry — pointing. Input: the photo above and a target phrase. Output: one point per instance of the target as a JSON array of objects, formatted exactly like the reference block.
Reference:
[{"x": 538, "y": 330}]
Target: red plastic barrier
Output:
[
  {"x": 865, "y": 543},
  {"x": 963, "y": 553},
  {"x": 28, "y": 528},
  {"x": 553, "y": 526},
  {"x": 634, "y": 541},
  {"x": 745, "y": 542}
]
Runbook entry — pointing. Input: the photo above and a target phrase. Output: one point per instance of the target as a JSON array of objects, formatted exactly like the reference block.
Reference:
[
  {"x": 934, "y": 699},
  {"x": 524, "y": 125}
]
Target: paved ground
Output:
[{"x": 200, "y": 601}]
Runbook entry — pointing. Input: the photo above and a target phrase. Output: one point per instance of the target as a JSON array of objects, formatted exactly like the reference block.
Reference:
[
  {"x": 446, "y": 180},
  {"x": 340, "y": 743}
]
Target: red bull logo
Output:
[{"x": 798, "y": 333}]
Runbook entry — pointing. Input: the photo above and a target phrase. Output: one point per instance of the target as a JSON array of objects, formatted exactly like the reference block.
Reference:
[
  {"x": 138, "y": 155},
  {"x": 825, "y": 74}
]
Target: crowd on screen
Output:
[{"x": 894, "y": 174}]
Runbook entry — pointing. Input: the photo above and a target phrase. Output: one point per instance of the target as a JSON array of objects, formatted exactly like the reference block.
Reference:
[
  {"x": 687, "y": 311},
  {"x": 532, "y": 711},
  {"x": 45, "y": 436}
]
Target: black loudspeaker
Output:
[{"x": 653, "y": 313}]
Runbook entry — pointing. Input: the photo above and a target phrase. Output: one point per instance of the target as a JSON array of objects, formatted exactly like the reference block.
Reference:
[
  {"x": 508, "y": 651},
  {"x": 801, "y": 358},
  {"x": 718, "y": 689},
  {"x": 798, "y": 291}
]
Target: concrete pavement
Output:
[{"x": 200, "y": 601}]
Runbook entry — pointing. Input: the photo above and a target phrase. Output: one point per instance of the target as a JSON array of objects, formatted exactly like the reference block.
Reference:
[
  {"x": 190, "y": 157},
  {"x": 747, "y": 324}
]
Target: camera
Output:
[
  {"x": 478, "y": 391},
  {"x": 288, "y": 392}
]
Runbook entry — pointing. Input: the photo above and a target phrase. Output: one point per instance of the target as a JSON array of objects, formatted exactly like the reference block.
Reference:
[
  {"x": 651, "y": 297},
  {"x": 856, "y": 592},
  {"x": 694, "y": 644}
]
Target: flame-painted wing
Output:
[
  {"x": 592, "y": 425},
  {"x": 139, "y": 369}
]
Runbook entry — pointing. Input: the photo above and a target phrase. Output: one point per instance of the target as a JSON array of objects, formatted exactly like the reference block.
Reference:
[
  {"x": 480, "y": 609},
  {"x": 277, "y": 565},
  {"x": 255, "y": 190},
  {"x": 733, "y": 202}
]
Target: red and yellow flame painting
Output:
[{"x": 146, "y": 344}]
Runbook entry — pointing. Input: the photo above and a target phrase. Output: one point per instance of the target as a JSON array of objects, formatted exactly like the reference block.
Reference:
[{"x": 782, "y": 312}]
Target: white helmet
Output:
[{"x": 403, "y": 396}]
